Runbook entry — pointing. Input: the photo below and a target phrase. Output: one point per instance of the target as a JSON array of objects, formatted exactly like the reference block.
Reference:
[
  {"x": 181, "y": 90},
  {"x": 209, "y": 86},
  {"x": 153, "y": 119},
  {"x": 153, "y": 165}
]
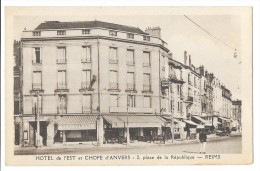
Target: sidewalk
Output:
[{"x": 131, "y": 145}]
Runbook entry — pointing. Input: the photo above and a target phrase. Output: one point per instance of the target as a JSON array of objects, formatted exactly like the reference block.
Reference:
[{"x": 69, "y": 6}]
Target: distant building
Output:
[{"x": 236, "y": 114}]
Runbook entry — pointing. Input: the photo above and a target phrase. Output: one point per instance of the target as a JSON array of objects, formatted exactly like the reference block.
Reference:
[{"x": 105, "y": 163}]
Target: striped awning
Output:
[
  {"x": 142, "y": 121},
  {"x": 77, "y": 122}
]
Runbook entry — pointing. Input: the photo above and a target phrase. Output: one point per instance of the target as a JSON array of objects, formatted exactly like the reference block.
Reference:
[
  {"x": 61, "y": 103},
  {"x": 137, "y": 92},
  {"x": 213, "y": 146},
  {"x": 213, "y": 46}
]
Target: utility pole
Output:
[
  {"x": 172, "y": 119},
  {"x": 38, "y": 122},
  {"x": 127, "y": 126}
]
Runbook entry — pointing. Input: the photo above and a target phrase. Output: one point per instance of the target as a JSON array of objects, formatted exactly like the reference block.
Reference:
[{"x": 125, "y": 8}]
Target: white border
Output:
[{"x": 256, "y": 70}]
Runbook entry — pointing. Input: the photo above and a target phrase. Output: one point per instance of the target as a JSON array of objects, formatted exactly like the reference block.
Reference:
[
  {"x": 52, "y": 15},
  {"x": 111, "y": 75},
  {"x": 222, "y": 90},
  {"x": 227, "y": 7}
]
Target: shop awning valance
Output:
[
  {"x": 141, "y": 121},
  {"x": 77, "y": 122},
  {"x": 225, "y": 119},
  {"x": 200, "y": 119},
  {"x": 190, "y": 122}
]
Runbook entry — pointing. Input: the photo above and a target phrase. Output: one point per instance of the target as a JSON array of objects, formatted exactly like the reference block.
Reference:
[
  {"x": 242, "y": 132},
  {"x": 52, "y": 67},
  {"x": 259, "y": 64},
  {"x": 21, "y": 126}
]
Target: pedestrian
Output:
[{"x": 203, "y": 141}]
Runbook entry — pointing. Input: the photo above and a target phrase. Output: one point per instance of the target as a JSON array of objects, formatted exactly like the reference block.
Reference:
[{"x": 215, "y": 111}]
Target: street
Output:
[{"x": 223, "y": 145}]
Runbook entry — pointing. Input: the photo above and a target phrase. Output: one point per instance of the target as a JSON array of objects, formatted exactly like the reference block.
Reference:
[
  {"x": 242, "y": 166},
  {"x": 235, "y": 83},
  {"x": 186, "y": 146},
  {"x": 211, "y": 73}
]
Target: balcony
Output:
[
  {"x": 146, "y": 87},
  {"x": 86, "y": 109},
  {"x": 113, "y": 61},
  {"x": 61, "y": 86},
  {"x": 85, "y": 85},
  {"x": 62, "y": 110},
  {"x": 37, "y": 86},
  {"x": 61, "y": 61},
  {"x": 113, "y": 86},
  {"x": 86, "y": 60},
  {"x": 174, "y": 79}
]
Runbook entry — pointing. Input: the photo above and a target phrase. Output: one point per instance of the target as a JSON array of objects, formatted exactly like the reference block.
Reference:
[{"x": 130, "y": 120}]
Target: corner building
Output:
[{"x": 88, "y": 81}]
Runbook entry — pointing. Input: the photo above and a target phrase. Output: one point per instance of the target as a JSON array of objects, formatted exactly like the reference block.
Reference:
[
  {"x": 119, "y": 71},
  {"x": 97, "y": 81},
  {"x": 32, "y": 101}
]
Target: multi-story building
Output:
[
  {"x": 17, "y": 92},
  {"x": 225, "y": 116},
  {"x": 89, "y": 81},
  {"x": 236, "y": 114}
]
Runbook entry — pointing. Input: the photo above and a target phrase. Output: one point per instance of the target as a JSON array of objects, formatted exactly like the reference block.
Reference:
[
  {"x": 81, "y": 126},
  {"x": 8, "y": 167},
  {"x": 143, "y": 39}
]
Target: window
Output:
[
  {"x": 146, "y": 81},
  {"x": 16, "y": 107},
  {"x": 131, "y": 101},
  {"x": 61, "y": 55},
  {"x": 112, "y": 33},
  {"x": 195, "y": 83},
  {"x": 189, "y": 79},
  {"x": 37, "y": 80},
  {"x": 130, "y": 35},
  {"x": 146, "y": 38},
  {"x": 114, "y": 100},
  {"x": 130, "y": 81},
  {"x": 86, "y": 106},
  {"x": 62, "y": 83},
  {"x": 86, "y": 54},
  {"x": 146, "y": 59},
  {"x": 61, "y": 32},
  {"x": 62, "y": 104},
  {"x": 178, "y": 106},
  {"x": 37, "y": 55},
  {"x": 164, "y": 62},
  {"x": 16, "y": 83},
  {"x": 195, "y": 98},
  {"x": 86, "y": 31},
  {"x": 112, "y": 55},
  {"x": 130, "y": 57},
  {"x": 178, "y": 89},
  {"x": 86, "y": 79},
  {"x": 113, "y": 84},
  {"x": 147, "y": 101},
  {"x": 36, "y": 33}
]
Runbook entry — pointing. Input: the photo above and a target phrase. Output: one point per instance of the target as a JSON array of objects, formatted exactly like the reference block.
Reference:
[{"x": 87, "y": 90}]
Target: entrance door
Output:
[
  {"x": 32, "y": 128},
  {"x": 17, "y": 134}
]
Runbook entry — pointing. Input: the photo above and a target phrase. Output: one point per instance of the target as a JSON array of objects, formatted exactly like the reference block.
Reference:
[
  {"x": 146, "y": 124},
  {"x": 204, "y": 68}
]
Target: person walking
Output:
[{"x": 203, "y": 141}]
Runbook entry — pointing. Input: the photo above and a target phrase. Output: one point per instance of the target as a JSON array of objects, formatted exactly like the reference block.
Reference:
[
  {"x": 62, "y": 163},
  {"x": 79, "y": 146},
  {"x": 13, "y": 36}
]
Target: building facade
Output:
[
  {"x": 236, "y": 114},
  {"x": 88, "y": 81}
]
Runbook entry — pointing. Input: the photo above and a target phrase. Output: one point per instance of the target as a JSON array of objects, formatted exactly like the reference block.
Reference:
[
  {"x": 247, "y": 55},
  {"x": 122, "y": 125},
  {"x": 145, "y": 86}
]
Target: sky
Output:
[{"x": 180, "y": 34}]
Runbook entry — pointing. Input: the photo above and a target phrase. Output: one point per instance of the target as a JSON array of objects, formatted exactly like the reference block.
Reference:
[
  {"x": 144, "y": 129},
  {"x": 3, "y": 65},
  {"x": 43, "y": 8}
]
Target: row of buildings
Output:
[{"x": 101, "y": 82}]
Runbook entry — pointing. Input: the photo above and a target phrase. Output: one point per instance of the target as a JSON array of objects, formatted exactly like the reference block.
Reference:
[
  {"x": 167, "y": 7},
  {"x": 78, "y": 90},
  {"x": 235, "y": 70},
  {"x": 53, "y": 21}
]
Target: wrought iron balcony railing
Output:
[
  {"x": 86, "y": 109},
  {"x": 61, "y": 85},
  {"x": 61, "y": 61},
  {"x": 130, "y": 86},
  {"x": 85, "y": 85},
  {"x": 113, "y": 85},
  {"x": 37, "y": 86},
  {"x": 147, "y": 87}
]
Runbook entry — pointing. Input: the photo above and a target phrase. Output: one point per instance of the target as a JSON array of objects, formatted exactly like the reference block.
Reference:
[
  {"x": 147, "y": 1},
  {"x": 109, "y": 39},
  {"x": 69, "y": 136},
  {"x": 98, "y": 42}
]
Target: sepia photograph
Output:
[{"x": 113, "y": 86}]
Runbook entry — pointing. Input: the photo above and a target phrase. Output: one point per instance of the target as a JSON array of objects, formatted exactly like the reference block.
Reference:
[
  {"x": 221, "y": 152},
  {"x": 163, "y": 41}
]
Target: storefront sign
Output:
[
  {"x": 136, "y": 125},
  {"x": 77, "y": 126}
]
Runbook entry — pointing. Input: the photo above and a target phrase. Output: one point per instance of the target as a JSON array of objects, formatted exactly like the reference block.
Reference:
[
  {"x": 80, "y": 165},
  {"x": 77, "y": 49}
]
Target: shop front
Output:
[
  {"x": 190, "y": 129},
  {"x": 141, "y": 127},
  {"x": 76, "y": 129}
]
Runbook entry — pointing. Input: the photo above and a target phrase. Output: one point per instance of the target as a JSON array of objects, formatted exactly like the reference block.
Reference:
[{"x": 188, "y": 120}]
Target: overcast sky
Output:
[{"x": 180, "y": 34}]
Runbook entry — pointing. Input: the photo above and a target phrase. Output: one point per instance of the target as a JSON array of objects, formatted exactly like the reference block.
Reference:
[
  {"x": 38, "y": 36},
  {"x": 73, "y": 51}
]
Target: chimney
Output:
[
  {"x": 206, "y": 73},
  {"x": 201, "y": 70},
  {"x": 189, "y": 60},
  {"x": 185, "y": 57},
  {"x": 154, "y": 31}
]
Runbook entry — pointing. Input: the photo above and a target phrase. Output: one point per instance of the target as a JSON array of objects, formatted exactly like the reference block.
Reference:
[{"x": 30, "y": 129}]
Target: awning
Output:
[
  {"x": 200, "y": 119},
  {"x": 142, "y": 121},
  {"x": 77, "y": 122},
  {"x": 178, "y": 122},
  {"x": 225, "y": 119},
  {"x": 190, "y": 122}
]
